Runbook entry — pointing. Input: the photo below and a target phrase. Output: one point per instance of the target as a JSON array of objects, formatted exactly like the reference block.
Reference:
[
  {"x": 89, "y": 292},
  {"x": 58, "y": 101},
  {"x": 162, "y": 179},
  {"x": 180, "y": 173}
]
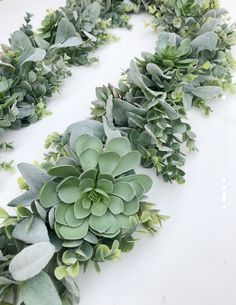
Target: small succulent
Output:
[{"x": 97, "y": 196}]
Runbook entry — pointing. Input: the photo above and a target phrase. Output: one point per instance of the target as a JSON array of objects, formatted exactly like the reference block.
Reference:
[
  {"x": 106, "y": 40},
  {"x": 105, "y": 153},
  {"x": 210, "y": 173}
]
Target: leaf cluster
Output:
[{"x": 83, "y": 208}]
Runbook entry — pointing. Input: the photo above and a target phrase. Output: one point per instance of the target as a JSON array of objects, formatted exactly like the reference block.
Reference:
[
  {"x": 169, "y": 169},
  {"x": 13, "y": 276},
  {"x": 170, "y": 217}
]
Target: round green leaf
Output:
[
  {"x": 69, "y": 193},
  {"x": 48, "y": 195},
  {"x": 116, "y": 205},
  {"x": 124, "y": 190},
  {"x": 70, "y": 218},
  {"x": 131, "y": 207},
  {"x": 74, "y": 233},
  {"x": 98, "y": 209},
  {"x": 120, "y": 145},
  {"x": 129, "y": 161},
  {"x": 99, "y": 224},
  {"x": 80, "y": 211},
  {"x": 88, "y": 159}
]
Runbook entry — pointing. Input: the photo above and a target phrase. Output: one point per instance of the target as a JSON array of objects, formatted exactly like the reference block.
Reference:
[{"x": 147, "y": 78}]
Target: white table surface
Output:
[{"x": 192, "y": 261}]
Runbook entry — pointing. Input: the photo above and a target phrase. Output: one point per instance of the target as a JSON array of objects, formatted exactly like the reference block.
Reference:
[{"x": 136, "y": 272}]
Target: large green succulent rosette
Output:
[{"x": 97, "y": 191}]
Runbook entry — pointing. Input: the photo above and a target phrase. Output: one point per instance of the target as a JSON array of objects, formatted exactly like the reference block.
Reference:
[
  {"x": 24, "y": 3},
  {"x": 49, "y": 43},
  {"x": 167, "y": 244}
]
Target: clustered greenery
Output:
[
  {"x": 154, "y": 95},
  {"x": 86, "y": 203},
  {"x": 85, "y": 207},
  {"x": 35, "y": 63}
]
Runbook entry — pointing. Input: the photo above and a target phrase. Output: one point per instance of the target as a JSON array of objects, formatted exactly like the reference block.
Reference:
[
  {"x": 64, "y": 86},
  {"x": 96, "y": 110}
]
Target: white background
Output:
[{"x": 192, "y": 261}]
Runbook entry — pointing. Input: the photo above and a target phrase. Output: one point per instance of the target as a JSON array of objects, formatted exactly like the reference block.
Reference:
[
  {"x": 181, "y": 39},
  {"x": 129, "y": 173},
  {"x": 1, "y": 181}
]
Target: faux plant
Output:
[
  {"x": 155, "y": 94},
  {"x": 85, "y": 207},
  {"x": 35, "y": 63}
]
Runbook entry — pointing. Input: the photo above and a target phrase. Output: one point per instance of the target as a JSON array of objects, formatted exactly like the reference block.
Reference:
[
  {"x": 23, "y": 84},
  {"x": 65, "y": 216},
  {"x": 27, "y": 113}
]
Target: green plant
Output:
[{"x": 84, "y": 207}]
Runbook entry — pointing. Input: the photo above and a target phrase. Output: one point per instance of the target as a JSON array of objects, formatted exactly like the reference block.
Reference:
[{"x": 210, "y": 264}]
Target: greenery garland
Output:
[{"x": 85, "y": 202}]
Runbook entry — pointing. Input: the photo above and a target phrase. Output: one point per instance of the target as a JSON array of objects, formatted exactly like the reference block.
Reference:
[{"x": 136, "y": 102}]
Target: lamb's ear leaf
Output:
[
  {"x": 20, "y": 41},
  {"x": 25, "y": 199},
  {"x": 65, "y": 30},
  {"x": 90, "y": 127},
  {"x": 31, "y": 261},
  {"x": 35, "y": 177},
  {"x": 39, "y": 290},
  {"x": 206, "y": 41},
  {"x": 31, "y": 233}
]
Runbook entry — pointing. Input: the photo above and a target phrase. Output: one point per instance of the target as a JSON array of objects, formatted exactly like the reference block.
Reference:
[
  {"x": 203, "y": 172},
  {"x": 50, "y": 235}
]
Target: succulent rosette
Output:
[{"x": 97, "y": 190}]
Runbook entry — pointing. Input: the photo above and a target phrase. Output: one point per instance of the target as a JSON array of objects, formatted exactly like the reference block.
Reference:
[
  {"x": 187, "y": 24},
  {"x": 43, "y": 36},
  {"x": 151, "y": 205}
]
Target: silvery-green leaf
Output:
[
  {"x": 120, "y": 145},
  {"x": 92, "y": 11},
  {"x": 31, "y": 232},
  {"x": 41, "y": 43},
  {"x": 129, "y": 161},
  {"x": 178, "y": 126},
  {"x": 20, "y": 41},
  {"x": 6, "y": 67},
  {"x": 71, "y": 42},
  {"x": 206, "y": 41},
  {"x": 187, "y": 101},
  {"x": 41, "y": 211},
  {"x": 124, "y": 190},
  {"x": 171, "y": 113},
  {"x": 90, "y": 127},
  {"x": 137, "y": 79},
  {"x": 31, "y": 261},
  {"x": 122, "y": 108},
  {"x": 34, "y": 176},
  {"x": 144, "y": 180},
  {"x": 65, "y": 30},
  {"x": 4, "y": 281},
  {"x": 109, "y": 132},
  {"x": 25, "y": 199},
  {"x": 206, "y": 92},
  {"x": 39, "y": 290},
  {"x": 153, "y": 69},
  {"x": 38, "y": 55},
  {"x": 48, "y": 196},
  {"x": 208, "y": 26}
]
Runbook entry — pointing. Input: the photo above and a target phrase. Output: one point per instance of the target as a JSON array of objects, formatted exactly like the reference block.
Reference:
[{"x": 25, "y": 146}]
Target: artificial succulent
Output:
[
  {"x": 95, "y": 194},
  {"x": 85, "y": 207}
]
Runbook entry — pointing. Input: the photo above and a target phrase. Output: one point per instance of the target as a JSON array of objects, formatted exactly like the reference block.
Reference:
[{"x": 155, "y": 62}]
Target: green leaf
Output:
[
  {"x": 124, "y": 190},
  {"x": 31, "y": 232},
  {"x": 171, "y": 113},
  {"x": 107, "y": 162},
  {"x": 131, "y": 207},
  {"x": 65, "y": 30},
  {"x": 3, "y": 213},
  {"x": 63, "y": 171},
  {"x": 74, "y": 233},
  {"x": 98, "y": 209},
  {"x": 69, "y": 193},
  {"x": 206, "y": 92},
  {"x": 144, "y": 180},
  {"x": 60, "y": 272},
  {"x": 20, "y": 41},
  {"x": 206, "y": 41},
  {"x": 88, "y": 159},
  {"x": 116, "y": 205},
  {"x": 129, "y": 161},
  {"x": 48, "y": 196},
  {"x": 39, "y": 290},
  {"x": 38, "y": 55},
  {"x": 99, "y": 224},
  {"x": 120, "y": 145},
  {"x": 31, "y": 261}
]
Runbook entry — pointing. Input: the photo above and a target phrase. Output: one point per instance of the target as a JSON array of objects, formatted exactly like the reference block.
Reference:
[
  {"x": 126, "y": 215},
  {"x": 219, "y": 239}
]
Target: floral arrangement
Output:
[{"x": 86, "y": 202}]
